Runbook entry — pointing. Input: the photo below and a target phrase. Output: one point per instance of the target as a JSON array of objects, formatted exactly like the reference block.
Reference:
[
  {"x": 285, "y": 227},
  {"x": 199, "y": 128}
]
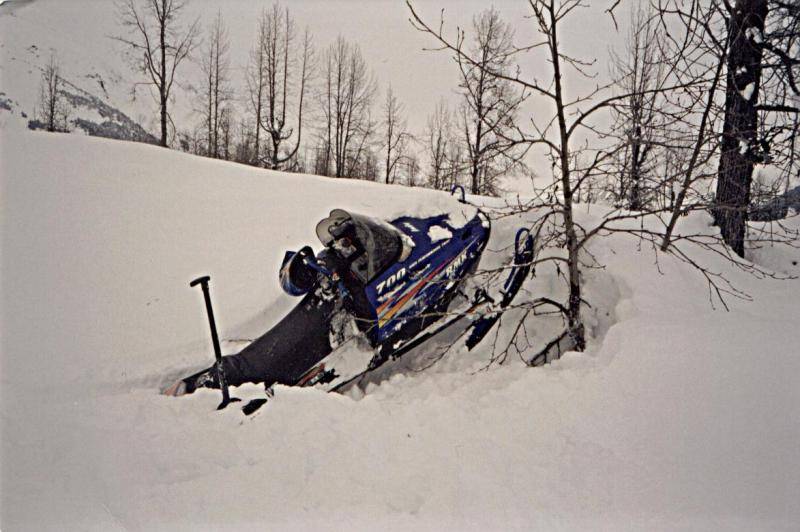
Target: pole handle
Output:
[
  {"x": 200, "y": 280},
  {"x": 223, "y": 385}
]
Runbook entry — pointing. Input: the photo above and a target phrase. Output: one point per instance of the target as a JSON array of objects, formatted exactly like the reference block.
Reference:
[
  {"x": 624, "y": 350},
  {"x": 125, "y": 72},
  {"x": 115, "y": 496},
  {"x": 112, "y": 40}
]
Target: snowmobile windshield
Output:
[{"x": 372, "y": 245}]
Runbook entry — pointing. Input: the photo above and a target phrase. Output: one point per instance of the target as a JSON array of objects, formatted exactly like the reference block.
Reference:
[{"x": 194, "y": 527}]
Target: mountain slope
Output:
[
  {"x": 677, "y": 416},
  {"x": 94, "y": 87}
]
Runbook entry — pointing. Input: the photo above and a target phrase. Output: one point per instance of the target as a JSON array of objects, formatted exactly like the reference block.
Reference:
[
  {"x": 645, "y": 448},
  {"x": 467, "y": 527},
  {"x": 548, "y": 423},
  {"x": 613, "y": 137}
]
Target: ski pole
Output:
[{"x": 223, "y": 385}]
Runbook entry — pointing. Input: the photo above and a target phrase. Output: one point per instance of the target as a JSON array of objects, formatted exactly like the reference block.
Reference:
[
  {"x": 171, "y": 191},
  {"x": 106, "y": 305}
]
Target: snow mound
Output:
[
  {"x": 437, "y": 233},
  {"x": 677, "y": 416}
]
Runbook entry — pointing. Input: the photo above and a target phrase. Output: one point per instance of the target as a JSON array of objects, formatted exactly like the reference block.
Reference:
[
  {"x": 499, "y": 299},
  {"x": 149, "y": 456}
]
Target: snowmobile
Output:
[{"x": 375, "y": 291}]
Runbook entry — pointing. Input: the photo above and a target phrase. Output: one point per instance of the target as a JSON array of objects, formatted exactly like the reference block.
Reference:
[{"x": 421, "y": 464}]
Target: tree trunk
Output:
[
  {"x": 739, "y": 145},
  {"x": 636, "y": 171},
  {"x": 574, "y": 321},
  {"x": 475, "y": 187},
  {"x": 162, "y": 89}
]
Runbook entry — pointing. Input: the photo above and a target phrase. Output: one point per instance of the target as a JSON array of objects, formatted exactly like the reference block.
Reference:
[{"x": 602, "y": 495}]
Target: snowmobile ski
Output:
[{"x": 520, "y": 269}]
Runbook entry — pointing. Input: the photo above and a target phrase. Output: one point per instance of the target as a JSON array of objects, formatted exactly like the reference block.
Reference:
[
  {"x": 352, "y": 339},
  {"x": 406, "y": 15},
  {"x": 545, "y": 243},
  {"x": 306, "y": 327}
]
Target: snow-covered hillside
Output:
[
  {"x": 676, "y": 417},
  {"x": 96, "y": 86}
]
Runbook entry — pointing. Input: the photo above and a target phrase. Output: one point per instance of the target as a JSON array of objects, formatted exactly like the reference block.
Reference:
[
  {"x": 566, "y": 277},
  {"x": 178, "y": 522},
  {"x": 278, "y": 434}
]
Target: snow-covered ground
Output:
[{"x": 677, "y": 416}]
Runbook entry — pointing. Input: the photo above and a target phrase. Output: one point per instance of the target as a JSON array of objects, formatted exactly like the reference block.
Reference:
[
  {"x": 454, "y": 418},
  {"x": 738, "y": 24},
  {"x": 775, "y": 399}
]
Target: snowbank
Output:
[{"x": 677, "y": 416}]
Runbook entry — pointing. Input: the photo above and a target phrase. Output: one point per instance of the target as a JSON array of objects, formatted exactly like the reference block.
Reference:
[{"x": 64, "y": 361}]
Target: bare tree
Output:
[
  {"x": 740, "y": 129},
  {"x": 225, "y": 138},
  {"x": 52, "y": 109},
  {"x": 245, "y": 142},
  {"x": 438, "y": 142},
  {"x": 568, "y": 176},
  {"x": 256, "y": 81},
  {"x": 576, "y": 164},
  {"x": 696, "y": 54},
  {"x": 345, "y": 100},
  {"x": 277, "y": 78},
  {"x": 218, "y": 92},
  {"x": 489, "y": 102},
  {"x": 158, "y": 45},
  {"x": 396, "y": 136},
  {"x": 639, "y": 73},
  {"x": 755, "y": 47},
  {"x": 412, "y": 170}
]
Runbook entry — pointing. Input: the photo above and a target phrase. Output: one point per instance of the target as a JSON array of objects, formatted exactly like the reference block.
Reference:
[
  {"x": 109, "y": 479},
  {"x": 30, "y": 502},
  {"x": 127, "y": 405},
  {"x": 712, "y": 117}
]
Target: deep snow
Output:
[{"x": 678, "y": 416}]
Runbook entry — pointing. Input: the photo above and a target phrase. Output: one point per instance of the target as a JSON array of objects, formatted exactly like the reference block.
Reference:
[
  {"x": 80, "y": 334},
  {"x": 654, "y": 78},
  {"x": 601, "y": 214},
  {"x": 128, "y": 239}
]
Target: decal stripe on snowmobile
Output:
[
  {"x": 408, "y": 296},
  {"x": 456, "y": 261}
]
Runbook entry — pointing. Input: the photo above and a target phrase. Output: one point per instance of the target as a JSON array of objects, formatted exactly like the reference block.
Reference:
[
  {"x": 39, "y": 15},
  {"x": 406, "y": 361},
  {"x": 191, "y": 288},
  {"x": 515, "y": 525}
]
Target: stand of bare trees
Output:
[
  {"x": 158, "y": 45},
  {"x": 396, "y": 136},
  {"x": 277, "y": 79},
  {"x": 490, "y": 102},
  {"x": 639, "y": 119},
  {"x": 345, "y": 101},
  {"x": 52, "y": 109},
  {"x": 218, "y": 92},
  {"x": 442, "y": 148},
  {"x": 703, "y": 90},
  {"x": 580, "y": 152}
]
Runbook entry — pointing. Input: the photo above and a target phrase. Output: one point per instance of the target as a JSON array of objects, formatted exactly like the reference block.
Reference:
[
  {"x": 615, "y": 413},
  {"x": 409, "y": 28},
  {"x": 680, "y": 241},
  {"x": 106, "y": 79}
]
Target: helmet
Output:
[{"x": 296, "y": 277}]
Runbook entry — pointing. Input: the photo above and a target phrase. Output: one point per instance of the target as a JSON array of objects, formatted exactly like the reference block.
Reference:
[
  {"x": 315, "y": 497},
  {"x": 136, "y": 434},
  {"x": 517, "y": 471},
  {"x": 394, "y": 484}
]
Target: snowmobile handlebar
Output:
[
  {"x": 332, "y": 275},
  {"x": 528, "y": 240},
  {"x": 463, "y": 193}
]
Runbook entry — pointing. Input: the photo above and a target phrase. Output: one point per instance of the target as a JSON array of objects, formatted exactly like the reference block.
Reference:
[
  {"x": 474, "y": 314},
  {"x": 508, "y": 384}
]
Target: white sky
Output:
[{"x": 394, "y": 49}]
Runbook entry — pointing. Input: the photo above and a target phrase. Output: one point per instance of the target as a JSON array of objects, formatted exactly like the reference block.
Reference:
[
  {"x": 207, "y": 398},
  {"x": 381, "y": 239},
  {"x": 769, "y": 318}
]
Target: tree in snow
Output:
[
  {"x": 395, "y": 134},
  {"x": 737, "y": 156},
  {"x": 412, "y": 170},
  {"x": 278, "y": 77},
  {"x": 762, "y": 44},
  {"x": 440, "y": 140},
  {"x": 158, "y": 44},
  {"x": 52, "y": 109},
  {"x": 639, "y": 73},
  {"x": 224, "y": 138},
  {"x": 489, "y": 102},
  {"x": 689, "y": 144},
  {"x": 580, "y": 152},
  {"x": 345, "y": 101},
  {"x": 218, "y": 92},
  {"x": 569, "y": 170}
]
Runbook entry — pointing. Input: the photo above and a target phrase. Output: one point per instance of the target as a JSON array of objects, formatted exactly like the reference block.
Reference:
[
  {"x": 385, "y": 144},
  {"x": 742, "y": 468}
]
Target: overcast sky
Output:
[{"x": 394, "y": 49}]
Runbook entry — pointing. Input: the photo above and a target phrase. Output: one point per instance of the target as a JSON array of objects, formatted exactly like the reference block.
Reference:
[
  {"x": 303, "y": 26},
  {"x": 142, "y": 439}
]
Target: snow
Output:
[
  {"x": 678, "y": 416},
  {"x": 437, "y": 233},
  {"x": 747, "y": 92},
  {"x": 754, "y": 34},
  {"x": 743, "y": 146},
  {"x": 31, "y": 31}
]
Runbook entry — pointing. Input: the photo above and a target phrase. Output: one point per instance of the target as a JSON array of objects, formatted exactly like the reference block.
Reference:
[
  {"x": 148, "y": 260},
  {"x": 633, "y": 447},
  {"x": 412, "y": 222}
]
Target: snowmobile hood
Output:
[{"x": 444, "y": 252}]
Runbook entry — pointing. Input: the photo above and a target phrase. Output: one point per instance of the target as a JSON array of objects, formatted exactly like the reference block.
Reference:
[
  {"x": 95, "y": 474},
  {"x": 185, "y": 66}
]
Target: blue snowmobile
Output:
[{"x": 376, "y": 290}]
